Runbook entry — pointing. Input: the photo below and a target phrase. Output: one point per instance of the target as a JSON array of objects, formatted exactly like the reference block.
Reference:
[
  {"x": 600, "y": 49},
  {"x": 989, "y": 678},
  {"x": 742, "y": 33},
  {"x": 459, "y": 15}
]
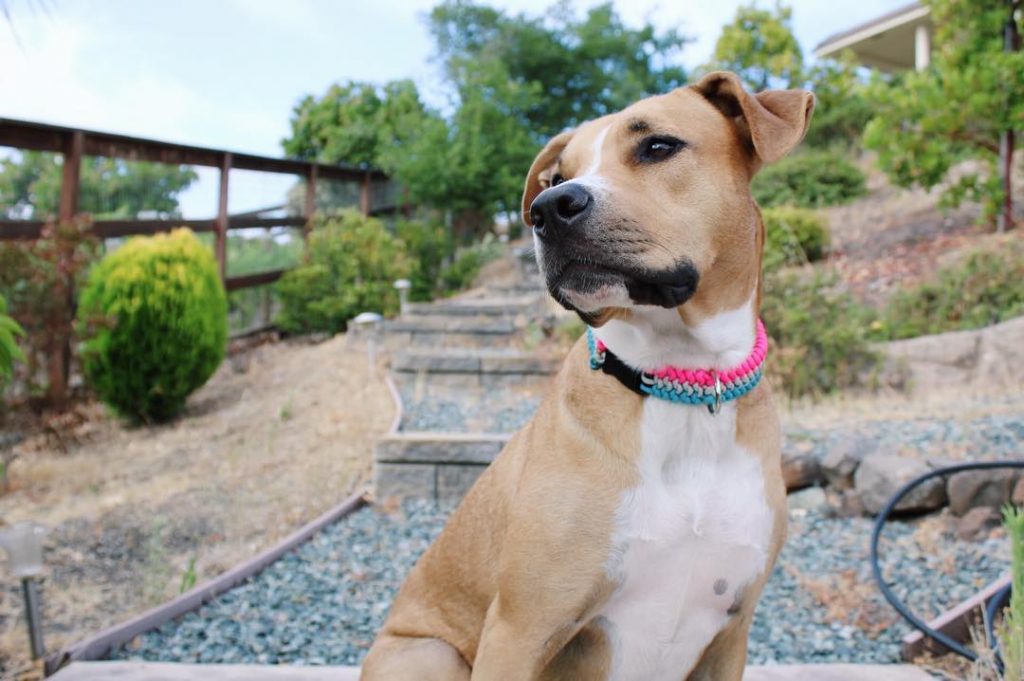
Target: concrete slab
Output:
[{"x": 154, "y": 671}]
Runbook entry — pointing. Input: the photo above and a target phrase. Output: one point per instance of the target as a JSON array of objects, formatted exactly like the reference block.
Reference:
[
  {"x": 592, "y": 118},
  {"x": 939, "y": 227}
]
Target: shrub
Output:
[
  {"x": 809, "y": 180},
  {"x": 427, "y": 243},
  {"x": 467, "y": 263},
  {"x": 350, "y": 265},
  {"x": 984, "y": 289},
  {"x": 793, "y": 236},
  {"x": 818, "y": 333},
  {"x": 10, "y": 353},
  {"x": 154, "y": 321}
]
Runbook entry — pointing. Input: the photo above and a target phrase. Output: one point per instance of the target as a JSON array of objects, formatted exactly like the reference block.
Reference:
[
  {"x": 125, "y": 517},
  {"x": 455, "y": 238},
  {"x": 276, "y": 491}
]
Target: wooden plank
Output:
[
  {"x": 955, "y": 623},
  {"x": 266, "y": 223},
  {"x": 97, "y": 647},
  {"x": 220, "y": 247},
  {"x": 110, "y": 229},
  {"x": 252, "y": 280},
  {"x": 176, "y": 671},
  {"x": 364, "y": 195},
  {"x": 20, "y": 229}
]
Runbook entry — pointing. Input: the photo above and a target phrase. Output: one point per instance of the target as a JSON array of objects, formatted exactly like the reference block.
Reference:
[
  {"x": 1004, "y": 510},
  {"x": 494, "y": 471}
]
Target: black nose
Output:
[{"x": 559, "y": 209}]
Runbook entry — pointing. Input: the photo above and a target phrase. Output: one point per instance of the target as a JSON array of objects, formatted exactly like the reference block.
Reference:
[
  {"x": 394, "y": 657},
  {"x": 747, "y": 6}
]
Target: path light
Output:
[
  {"x": 403, "y": 286},
  {"x": 23, "y": 543},
  {"x": 368, "y": 325}
]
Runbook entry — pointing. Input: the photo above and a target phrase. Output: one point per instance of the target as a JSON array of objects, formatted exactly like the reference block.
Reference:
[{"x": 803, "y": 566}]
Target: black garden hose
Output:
[{"x": 894, "y": 601}]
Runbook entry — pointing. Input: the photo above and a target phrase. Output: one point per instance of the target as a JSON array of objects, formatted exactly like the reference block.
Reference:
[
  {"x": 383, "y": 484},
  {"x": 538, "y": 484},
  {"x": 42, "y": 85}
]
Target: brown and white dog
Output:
[{"x": 619, "y": 536}]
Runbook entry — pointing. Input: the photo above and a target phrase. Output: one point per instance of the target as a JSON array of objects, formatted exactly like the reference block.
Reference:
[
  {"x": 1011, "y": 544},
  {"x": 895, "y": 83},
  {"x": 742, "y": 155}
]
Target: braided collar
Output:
[{"x": 709, "y": 387}]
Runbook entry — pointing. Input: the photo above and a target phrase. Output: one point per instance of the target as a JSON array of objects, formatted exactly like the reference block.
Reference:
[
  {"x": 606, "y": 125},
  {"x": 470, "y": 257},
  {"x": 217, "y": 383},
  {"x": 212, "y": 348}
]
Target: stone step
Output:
[
  {"x": 490, "y": 306},
  {"x": 164, "y": 671},
  {"x": 444, "y": 324},
  {"x": 437, "y": 466},
  {"x": 473, "y": 361}
]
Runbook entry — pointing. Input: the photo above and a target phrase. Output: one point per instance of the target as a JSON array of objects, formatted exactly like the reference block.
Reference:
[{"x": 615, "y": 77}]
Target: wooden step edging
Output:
[
  {"x": 956, "y": 623},
  {"x": 97, "y": 646}
]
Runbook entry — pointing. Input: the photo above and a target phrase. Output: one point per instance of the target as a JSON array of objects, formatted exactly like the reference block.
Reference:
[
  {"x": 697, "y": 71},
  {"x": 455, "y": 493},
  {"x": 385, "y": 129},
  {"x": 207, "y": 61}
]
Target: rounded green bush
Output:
[
  {"x": 793, "y": 236},
  {"x": 809, "y": 180},
  {"x": 154, "y": 320},
  {"x": 350, "y": 266}
]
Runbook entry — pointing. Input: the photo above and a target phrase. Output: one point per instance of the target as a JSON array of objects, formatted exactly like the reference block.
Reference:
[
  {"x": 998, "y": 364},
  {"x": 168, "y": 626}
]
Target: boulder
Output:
[
  {"x": 989, "y": 488},
  {"x": 810, "y": 499},
  {"x": 880, "y": 476},
  {"x": 976, "y": 523},
  {"x": 800, "y": 470},
  {"x": 845, "y": 503},
  {"x": 842, "y": 460}
]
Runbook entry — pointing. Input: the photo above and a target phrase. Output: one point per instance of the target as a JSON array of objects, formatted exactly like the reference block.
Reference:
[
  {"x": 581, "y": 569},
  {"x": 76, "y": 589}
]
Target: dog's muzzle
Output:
[{"x": 560, "y": 212}]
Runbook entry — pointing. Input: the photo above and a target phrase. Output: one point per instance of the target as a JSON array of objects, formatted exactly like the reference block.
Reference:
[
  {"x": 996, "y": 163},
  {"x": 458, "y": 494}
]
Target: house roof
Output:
[{"x": 886, "y": 42}]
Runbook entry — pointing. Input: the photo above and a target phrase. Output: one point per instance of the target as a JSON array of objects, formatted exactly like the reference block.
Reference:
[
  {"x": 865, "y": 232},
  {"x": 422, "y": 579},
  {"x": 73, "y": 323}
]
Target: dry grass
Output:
[{"x": 275, "y": 438}]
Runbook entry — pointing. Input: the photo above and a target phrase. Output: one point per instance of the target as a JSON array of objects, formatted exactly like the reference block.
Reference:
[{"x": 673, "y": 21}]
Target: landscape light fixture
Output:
[
  {"x": 368, "y": 324},
  {"x": 403, "y": 286},
  {"x": 23, "y": 543}
]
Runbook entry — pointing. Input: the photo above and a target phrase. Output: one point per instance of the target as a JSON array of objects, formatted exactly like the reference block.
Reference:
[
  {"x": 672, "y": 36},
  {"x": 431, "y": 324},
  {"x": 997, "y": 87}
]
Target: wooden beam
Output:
[
  {"x": 265, "y": 223},
  {"x": 110, "y": 229},
  {"x": 956, "y": 623},
  {"x": 252, "y": 280},
  {"x": 364, "y": 195},
  {"x": 221, "y": 224},
  {"x": 310, "y": 206},
  {"x": 20, "y": 229}
]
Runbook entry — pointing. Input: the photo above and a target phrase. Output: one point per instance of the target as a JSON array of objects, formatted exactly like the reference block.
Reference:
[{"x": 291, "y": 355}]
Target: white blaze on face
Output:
[{"x": 590, "y": 178}]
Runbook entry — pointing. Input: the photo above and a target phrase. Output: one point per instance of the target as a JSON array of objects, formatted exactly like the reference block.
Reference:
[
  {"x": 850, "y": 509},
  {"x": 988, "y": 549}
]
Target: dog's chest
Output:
[{"x": 688, "y": 539}]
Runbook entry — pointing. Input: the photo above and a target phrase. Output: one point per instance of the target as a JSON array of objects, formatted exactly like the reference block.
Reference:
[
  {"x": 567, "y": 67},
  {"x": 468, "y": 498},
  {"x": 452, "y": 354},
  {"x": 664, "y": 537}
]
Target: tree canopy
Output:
[
  {"x": 109, "y": 188},
  {"x": 514, "y": 80},
  {"x": 759, "y": 46},
  {"x": 926, "y": 122}
]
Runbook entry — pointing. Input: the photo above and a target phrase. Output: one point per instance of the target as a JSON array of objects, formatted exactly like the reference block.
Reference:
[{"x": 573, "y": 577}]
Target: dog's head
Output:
[{"x": 652, "y": 205}]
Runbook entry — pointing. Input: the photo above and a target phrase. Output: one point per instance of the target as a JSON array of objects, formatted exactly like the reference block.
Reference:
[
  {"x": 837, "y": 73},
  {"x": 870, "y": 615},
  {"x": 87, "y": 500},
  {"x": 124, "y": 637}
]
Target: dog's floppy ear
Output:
[
  {"x": 774, "y": 121},
  {"x": 539, "y": 177}
]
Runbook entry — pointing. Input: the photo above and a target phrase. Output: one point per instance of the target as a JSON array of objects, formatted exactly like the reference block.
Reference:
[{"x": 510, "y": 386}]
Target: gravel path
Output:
[
  {"x": 323, "y": 603},
  {"x": 494, "y": 411}
]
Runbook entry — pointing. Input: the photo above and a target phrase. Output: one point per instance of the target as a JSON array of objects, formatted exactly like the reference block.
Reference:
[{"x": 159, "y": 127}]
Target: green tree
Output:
[
  {"x": 109, "y": 188},
  {"x": 760, "y": 47},
  {"x": 583, "y": 66},
  {"x": 958, "y": 109}
]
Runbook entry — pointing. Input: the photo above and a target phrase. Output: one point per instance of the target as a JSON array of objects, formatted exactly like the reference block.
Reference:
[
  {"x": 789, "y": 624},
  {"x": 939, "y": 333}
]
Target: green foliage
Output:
[
  {"x": 109, "y": 188},
  {"x": 793, "y": 236},
  {"x": 819, "y": 334},
  {"x": 467, "y": 264},
  {"x": 810, "y": 180},
  {"x": 1011, "y": 630},
  {"x": 428, "y": 244},
  {"x": 577, "y": 67},
  {"x": 33, "y": 275},
  {"x": 986, "y": 288},
  {"x": 759, "y": 46},
  {"x": 927, "y": 122},
  {"x": 350, "y": 265},
  {"x": 842, "y": 109},
  {"x": 153, "y": 317},
  {"x": 10, "y": 353}
]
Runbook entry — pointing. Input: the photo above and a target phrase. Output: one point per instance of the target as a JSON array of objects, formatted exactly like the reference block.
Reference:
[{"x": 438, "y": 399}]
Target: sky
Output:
[{"x": 227, "y": 73}]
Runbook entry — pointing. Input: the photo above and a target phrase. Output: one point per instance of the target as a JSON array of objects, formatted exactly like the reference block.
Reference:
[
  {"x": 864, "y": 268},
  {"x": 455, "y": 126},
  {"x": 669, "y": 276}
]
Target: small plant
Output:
[
  {"x": 467, "y": 264},
  {"x": 986, "y": 288},
  {"x": 793, "y": 236},
  {"x": 809, "y": 180},
  {"x": 188, "y": 578},
  {"x": 818, "y": 333},
  {"x": 10, "y": 353},
  {"x": 428, "y": 244},
  {"x": 154, "y": 322},
  {"x": 350, "y": 265},
  {"x": 1011, "y": 630}
]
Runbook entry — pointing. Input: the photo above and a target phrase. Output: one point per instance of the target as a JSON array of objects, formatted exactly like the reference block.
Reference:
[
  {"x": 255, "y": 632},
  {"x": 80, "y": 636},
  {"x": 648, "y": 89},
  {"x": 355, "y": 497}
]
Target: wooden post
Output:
[
  {"x": 1004, "y": 220},
  {"x": 59, "y": 363},
  {"x": 310, "y": 199},
  {"x": 364, "y": 195},
  {"x": 221, "y": 243}
]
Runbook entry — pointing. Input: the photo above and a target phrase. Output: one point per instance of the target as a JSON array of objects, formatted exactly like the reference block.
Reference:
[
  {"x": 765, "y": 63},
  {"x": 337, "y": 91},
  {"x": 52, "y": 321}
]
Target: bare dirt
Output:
[{"x": 137, "y": 514}]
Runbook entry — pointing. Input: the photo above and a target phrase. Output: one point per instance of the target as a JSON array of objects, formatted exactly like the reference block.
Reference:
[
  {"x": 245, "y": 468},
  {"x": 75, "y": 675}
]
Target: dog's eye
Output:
[
  {"x": 556, "y": 180},
  {"x": 654, "y": 149}
]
